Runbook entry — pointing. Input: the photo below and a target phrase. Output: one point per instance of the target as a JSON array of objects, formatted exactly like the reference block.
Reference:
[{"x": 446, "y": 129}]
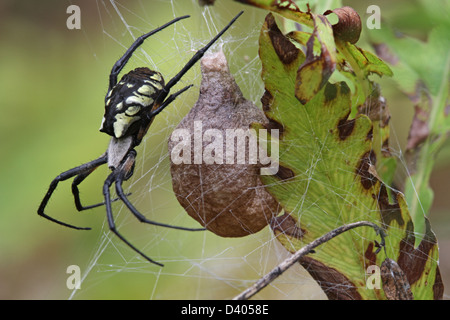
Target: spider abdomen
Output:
[{"x": 127, "y": 103}]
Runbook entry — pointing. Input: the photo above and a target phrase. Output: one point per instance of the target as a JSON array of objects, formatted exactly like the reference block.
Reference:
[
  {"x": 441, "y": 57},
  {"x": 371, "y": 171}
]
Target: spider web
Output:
[{"x": 198, "y": 265}]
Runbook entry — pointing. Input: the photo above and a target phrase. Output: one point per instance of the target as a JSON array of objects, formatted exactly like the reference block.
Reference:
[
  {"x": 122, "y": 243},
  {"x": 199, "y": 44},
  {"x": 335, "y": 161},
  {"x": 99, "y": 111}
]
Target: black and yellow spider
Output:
[{"x": 130, "y": 107}]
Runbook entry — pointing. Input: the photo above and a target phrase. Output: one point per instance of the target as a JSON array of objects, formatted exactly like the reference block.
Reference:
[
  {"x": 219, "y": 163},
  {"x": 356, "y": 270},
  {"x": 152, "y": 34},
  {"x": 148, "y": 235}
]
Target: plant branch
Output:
[{"x": 286, "y": 264}]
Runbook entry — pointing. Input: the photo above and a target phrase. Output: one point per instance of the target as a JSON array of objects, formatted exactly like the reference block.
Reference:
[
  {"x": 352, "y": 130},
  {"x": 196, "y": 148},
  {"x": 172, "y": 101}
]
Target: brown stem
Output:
[{"x": 286, "y": 264}]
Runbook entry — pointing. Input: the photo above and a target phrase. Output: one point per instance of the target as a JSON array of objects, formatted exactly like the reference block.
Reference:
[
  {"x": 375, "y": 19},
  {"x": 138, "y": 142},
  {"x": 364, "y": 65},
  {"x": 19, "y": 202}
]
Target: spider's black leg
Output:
[
  {"x": 112, "y": 225},
  {"x": 80, "y": 170},
  {"x": 122, "y": 174},
  {"x": 197, "y": 56},
  {"x": 118, "y": 66},
  {"x": 166, "y": 102},
  {"x": 76, "y": 193}
]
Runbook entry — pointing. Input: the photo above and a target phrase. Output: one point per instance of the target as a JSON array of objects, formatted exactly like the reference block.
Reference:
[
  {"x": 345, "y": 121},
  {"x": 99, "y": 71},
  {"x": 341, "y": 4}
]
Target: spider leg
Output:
[
  {"x": 80, "y": 170},
  {"x": 122, "y": 174},
  {"x": 118, "y": 66},
  {"x": 141, "y": 217},
  {"x": 76, "y": 193},
  {"x": 112, "y": 225},
  {"x": 197, "y": 56},
  {"x": 166, "y": 102}
]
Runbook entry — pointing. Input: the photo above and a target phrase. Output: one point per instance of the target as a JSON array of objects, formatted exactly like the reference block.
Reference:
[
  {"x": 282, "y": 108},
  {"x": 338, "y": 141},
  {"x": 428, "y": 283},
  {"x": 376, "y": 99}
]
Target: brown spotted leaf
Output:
[
  {"x": 287, "y": 8},
  {"x": 328, "y": 177},
  {"x": 315, "y": 71}
]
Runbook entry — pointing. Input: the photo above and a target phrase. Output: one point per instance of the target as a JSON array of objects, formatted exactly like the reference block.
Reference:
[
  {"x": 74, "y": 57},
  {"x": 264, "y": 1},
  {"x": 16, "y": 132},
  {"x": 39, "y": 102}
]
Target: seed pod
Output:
[{"x": 223, "y": 195}]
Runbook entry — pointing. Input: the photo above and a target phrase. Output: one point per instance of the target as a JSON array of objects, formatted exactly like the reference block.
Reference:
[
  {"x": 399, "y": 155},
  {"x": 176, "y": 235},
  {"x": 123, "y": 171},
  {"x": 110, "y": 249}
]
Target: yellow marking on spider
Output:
[
  {"x": 156, "y": 76},
  {"x": 146, "y": 89},
  {"x": 132, "y": 110},
  {"x": 102, "y": 124},
  {"x": 119, "y": 106},
  {"x": 139, "y": 99},
  {"x": 123, "y": 122},
  {"x": 155, "y": 84}
]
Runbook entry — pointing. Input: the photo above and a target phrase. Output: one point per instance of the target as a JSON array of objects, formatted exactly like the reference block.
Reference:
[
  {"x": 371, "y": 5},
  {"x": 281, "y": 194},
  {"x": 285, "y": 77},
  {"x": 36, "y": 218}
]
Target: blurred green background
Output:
[{"x": 52, "y": 85}]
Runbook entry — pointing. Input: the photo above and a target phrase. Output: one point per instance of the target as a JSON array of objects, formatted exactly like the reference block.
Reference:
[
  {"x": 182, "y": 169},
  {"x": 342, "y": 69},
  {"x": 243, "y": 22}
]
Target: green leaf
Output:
[
  {"x": 315, "y": 71},
  {"x": 287, "y": 8},
  {"x": 328, "y": 175},
  {"x": 422, "y": 72}
]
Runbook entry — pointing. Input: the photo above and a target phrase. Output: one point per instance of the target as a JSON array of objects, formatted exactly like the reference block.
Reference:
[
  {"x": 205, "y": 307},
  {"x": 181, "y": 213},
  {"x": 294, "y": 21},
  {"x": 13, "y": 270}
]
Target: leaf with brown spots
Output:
[
  {"x": 287, "y": 8},
  {"x": 315, "y": 71},
  {"x": 328, "y": 176}
]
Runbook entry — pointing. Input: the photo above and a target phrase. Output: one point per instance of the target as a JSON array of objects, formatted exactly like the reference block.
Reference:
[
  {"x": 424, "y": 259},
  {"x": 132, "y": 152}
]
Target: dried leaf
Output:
[
  {"x": 395, "y": 283},
  {"x": 349, "y": 26}
]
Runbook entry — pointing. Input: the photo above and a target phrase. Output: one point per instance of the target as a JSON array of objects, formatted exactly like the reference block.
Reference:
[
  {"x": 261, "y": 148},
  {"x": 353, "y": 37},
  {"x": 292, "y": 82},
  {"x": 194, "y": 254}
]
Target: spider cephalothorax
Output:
[{"x": 130, "y": 107}]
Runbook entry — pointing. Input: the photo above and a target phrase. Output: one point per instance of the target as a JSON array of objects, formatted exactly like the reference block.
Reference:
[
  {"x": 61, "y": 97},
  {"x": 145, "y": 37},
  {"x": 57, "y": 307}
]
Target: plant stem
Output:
[{"x": 289, "y": 262}]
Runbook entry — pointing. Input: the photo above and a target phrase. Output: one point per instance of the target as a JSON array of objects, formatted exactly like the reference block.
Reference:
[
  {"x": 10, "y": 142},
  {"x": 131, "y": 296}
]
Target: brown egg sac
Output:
[{"x": 224, "y": 194}]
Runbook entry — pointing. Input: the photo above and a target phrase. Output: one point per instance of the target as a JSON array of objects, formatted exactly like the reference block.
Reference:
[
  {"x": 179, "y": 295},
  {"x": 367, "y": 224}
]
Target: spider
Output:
[{"x": 130, "y": 107}]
